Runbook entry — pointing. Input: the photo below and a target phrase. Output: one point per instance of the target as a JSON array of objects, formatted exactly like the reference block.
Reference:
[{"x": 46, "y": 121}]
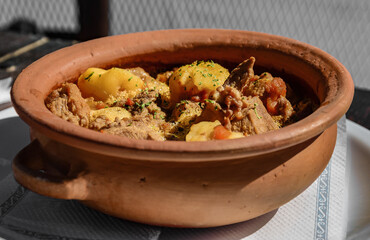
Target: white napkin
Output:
[
  {"x": 5, "y": 85},
  {"x": 320, "y": 211}
]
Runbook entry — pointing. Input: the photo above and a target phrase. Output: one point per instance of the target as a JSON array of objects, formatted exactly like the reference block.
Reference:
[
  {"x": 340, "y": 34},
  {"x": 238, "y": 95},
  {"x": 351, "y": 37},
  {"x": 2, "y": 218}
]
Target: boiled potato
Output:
[
  {"x": 196, "y": 79},
  {"x": 204, "y": 131},
  {"x": 236, "y": 135},
  {"x": 88, "y": 81},
  {"x": 111, "y": 113},
  {"x": 100, "y": 84}
]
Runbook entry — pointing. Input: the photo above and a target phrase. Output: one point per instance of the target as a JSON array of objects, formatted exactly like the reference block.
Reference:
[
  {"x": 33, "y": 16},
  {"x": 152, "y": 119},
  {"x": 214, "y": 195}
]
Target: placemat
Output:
[{"x": 317, "y": 213}]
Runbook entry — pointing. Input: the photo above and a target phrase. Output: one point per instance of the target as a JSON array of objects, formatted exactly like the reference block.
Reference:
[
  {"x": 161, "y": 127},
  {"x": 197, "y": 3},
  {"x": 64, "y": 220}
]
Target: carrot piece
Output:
[
  {"x": 220, "y": 132},
  {"x": 129, "y": 102}
]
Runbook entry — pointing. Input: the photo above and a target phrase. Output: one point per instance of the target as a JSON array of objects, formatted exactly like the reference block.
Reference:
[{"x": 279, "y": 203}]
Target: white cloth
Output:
[{"x": 5, "y": 85}]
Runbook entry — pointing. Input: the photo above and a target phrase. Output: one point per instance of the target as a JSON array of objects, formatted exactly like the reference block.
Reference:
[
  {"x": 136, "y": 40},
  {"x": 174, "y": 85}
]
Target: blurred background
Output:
[{"x": 339, "y": 27}]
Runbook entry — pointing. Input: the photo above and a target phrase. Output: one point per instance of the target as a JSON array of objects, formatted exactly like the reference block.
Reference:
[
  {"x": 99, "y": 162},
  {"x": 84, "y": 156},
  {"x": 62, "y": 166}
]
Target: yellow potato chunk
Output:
[
  {"x": 111, "y": 113},
  {"x": 236, "y": 135},
  {"x": 202, "y": 131},
  {"x": 196, "y": 79},
  {"x": 100, "y": 84}
]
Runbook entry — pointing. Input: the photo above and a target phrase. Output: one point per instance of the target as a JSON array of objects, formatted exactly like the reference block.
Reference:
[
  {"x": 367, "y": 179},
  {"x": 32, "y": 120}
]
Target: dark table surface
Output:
[{"x": 17, "y": 51}]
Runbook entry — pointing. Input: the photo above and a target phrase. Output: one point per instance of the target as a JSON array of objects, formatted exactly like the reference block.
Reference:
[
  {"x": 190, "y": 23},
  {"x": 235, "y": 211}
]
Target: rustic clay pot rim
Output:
[{"x": 29, "y": 101}]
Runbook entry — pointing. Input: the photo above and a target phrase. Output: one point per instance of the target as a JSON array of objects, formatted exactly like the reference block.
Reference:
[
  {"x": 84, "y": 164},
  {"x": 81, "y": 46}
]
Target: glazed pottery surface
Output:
[{"x": 180, "y": 184}]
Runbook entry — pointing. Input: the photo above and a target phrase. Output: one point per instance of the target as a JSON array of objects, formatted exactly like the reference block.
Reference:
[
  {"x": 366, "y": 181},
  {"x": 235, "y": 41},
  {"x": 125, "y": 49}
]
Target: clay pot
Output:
[{"x": 181, "y": 184}]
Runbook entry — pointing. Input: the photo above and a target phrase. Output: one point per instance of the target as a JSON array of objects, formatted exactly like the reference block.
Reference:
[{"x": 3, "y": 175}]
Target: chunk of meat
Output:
[
  {"x": 183, "y": 116},
  {"x": 232, "y": 103},
  {"x": 67, "y": 103},
  {"x": 247, "y": 115},
  {"x": 137, "y": 131},
  {"x": 256, "y": 86},
  {"x": 255, "y": 120},
  {"x": 164, "y": 77},
  {"x": 212, "y": 111},
  {"x": 272, "y": 91},
  {"x": 100, "y": 122},
  {"x": 185, "y": 112},
  {"x": 241, "y": 74},
  {"x": 139, "y": 127},
  {"x": 145, "y": 103}
]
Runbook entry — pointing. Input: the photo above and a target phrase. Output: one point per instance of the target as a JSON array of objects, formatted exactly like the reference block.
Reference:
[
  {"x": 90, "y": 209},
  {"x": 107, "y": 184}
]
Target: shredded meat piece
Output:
[
  {"x": 140, "y": 127},
  {"x": 255, "y": 119},
  {"x": 212, "y": 111},
  {"x": 284, "y": 107},
  {"x": 272, "y": 91},
  {"x": 241, "y": 114},
  {"x": 231, "y": 100},
  {"x": 241, "y": 74},
  {"x": 67, "y": 103},
  {"x": 183, "y": 116},
  {"x": 164, "y": 77},
  {"x": 145, "y": 103},
  {"x": 100, "y": 122},
  {"x": 256, "y": 87}
]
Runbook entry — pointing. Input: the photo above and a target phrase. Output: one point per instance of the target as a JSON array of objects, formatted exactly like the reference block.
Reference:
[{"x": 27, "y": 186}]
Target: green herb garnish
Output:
[
  {"x": 88, "y": 77},
  {"x": 255, "y": 110},
  {"x": 210, "y": 101}
]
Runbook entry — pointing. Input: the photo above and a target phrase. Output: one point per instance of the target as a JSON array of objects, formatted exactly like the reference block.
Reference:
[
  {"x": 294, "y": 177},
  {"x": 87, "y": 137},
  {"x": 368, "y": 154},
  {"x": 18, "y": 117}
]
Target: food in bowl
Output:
[{"x": 194, "y": 102}]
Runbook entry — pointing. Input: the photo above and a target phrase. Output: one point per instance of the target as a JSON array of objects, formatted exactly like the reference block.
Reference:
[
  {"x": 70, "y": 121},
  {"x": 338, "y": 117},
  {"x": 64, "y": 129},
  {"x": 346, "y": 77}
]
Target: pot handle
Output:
[{"x": 31, "y": 170}]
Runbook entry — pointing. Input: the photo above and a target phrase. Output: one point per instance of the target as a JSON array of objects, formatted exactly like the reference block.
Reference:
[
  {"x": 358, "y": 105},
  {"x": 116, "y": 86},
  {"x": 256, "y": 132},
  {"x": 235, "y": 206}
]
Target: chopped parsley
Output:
[
  {"x": 201, "y": 105},
  {"x": 143, "y": 105},
  {"x": 255, "y": 110},
  {"x": 210, "y": 101},
  {"x": 181, "y": 103},
  {"x": 88, "y": 77}
]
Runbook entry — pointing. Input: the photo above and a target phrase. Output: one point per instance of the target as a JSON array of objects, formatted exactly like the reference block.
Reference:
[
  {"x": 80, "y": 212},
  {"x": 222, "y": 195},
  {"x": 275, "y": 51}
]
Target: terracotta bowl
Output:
[{"x": 180, "y": 184}]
